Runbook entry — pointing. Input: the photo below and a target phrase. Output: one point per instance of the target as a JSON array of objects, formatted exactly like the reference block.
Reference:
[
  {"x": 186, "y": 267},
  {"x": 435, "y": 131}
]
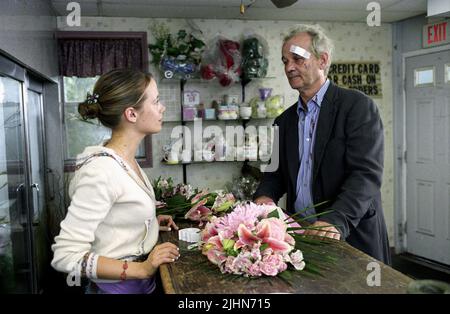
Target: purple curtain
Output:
[{"x": 91, "y": 57}]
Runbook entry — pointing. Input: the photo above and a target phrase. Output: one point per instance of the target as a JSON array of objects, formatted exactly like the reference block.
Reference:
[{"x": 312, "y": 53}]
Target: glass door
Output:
[
  {"x": 35, "y": 139},
  {"x": 15, "y": 233}
]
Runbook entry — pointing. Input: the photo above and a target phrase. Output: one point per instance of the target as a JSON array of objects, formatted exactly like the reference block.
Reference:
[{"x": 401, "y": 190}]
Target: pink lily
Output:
[
  {"x": 209, "y": 231},
  {"x": 271, "y": 231},
  {"x": 197, "y": 197},
  {"x": 198, "y": 212},
  {"x": 216, "y": 256}
]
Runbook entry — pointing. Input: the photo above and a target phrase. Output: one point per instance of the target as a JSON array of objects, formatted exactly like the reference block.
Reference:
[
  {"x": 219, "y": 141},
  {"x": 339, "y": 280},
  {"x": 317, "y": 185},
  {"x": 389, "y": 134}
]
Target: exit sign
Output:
[{"x": 436, "y": 34}]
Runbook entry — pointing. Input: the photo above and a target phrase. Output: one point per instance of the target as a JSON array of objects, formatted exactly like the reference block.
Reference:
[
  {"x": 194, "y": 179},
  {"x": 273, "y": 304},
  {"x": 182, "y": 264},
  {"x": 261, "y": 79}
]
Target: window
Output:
[
  {"x": 424, "y": 77},
  {"x": 80, "y": 133},
  {"x": 102, "y": 52}
]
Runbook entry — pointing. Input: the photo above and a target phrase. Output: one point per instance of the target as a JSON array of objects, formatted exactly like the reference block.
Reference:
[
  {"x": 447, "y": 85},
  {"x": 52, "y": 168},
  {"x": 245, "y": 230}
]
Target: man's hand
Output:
[
  {"x": 324, "y": 229},
  {"x": 264, "y": 200}
]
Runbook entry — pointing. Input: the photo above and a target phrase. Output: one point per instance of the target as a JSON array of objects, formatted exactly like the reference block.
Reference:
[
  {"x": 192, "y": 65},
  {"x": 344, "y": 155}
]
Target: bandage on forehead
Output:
[{"x": 300, "y": 51}]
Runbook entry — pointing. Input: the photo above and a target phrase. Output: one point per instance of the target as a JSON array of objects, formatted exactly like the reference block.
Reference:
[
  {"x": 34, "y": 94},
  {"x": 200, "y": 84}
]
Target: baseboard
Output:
[{"x": 425, "y": 262}]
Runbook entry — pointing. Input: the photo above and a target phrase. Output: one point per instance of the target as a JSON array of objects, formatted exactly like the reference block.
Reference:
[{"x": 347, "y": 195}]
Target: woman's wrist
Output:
[{"x": 146, "y": 270}]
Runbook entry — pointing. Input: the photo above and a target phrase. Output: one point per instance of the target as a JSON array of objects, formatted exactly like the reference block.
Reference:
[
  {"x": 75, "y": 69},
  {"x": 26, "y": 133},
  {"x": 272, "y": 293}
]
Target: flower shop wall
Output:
[{"x": 354, "y": 42}]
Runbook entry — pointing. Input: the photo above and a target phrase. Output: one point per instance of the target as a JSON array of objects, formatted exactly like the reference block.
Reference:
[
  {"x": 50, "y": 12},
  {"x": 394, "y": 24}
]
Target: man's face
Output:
[{"x": 301, "y": 73}]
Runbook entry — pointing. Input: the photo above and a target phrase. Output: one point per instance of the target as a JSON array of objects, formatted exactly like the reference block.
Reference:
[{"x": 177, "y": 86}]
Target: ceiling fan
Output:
[{"x": 283, "y": 3}]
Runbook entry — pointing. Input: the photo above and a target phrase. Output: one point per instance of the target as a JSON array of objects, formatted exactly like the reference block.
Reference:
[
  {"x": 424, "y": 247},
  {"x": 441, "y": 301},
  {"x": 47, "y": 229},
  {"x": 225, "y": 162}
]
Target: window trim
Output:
[{"x": 69, "y": 164}]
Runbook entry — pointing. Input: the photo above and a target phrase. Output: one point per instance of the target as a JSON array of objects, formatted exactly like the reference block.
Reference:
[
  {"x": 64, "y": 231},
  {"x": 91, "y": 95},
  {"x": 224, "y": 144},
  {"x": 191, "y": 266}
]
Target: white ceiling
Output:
[{"x": 303, "y": 10}]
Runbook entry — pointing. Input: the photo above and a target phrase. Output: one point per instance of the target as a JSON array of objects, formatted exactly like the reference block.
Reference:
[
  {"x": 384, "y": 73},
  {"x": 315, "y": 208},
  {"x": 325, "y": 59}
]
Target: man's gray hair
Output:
[{"x": 320, "y": 42}]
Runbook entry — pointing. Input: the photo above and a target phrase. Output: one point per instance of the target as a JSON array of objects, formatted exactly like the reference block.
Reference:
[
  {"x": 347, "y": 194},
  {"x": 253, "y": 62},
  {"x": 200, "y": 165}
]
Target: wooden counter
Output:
[{"x": 193, "y": 273}]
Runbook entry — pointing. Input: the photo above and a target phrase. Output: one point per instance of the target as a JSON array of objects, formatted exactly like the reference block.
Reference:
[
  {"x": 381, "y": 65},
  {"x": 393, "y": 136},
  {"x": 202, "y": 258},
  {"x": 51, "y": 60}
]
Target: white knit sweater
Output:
[{"x": 112, "y": 214}]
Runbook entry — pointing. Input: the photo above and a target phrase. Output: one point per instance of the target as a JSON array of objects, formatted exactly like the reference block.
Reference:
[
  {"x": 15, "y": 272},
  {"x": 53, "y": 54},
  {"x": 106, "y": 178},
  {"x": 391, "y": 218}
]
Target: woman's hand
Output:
[
  {"x": 161, "y": 254},
  {"x": 168, "y": 223}
]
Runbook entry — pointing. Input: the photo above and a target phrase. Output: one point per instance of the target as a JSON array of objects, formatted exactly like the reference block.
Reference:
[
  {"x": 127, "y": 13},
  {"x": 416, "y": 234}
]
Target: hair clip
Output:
[{"x": 92, "y": 98}]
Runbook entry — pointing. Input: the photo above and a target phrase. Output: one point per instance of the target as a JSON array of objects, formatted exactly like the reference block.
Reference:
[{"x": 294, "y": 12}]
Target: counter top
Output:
[{"x": 193, "y": 273}]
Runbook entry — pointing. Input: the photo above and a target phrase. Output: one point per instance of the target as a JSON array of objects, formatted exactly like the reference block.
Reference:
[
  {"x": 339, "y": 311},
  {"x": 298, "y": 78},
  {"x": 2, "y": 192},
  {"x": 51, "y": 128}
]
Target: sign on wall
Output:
[
  {"x": 436, "y": 34},
  {"x": 363, "y": 76}
]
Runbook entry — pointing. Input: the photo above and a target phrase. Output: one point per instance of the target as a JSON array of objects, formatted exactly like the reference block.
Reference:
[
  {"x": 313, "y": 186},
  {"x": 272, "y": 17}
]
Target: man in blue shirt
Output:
[{"x": 330, "y": 149}]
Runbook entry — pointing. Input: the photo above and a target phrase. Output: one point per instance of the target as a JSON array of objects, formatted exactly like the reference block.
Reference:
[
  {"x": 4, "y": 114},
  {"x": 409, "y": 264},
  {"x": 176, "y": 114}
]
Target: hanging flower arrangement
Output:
[{"x": 177, "y": 56}]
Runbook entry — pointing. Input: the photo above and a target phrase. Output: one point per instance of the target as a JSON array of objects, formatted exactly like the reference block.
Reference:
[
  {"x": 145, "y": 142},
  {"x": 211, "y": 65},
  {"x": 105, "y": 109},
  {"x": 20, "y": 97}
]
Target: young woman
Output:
[{"x": 110, "y": 232}]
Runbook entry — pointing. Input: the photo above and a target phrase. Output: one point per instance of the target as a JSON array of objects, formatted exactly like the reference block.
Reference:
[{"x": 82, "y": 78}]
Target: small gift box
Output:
[
  {"x": 189, "y": 235},
  {"x": 189, "y": 113},
  {"x": 210, "y": 113}
]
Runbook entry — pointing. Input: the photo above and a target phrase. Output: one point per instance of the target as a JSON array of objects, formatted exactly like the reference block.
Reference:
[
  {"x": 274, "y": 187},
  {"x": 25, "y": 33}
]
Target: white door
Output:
[{"x": 428, "y": 156}]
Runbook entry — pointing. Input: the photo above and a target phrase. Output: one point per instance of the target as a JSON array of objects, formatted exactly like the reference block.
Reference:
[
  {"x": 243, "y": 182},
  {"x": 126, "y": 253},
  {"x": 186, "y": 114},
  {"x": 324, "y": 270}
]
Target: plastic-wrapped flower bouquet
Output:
[
  {"x": 184, "y": 201},
  {"x": 252, "y": 241}
]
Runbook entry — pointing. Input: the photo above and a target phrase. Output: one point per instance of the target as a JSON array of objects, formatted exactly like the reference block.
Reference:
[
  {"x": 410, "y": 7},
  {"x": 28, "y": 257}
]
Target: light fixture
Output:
[
  {"x": 283, "y": 3},
  {"x": 244, "y": 6}
]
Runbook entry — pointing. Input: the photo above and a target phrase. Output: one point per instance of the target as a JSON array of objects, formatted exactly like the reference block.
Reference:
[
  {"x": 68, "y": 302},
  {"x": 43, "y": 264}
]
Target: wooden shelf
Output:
[
  {"x": 202, "y": 162},
  {"x": 182, "y": 83},
  {"x": 224, "y": 120},
  {"x": 212, "y": 81}
]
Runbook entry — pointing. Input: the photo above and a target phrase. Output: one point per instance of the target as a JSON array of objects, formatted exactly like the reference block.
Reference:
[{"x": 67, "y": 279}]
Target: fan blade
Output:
[{"x": 283, "y": 3}]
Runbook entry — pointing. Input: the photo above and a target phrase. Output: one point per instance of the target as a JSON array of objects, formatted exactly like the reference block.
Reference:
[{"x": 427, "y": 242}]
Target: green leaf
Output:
[
  {"x": 224, "y": 207},
  {"x": 176, "y": 200},
  {"x": 287, "y": 275},
  {"x": 232, "y": 252},
  {"x": 304, "y": 210},
  {"x": 273, "y": 214},
  {"x": 228, "y": 244},
  {"x": 316, "y": 215}
]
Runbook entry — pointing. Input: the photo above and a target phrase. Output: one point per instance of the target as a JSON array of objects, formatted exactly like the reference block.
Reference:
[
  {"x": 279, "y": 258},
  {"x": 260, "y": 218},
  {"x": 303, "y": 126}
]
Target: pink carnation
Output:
[
  {"x": 241, "y": 264},
  {"x": 268, "y": 269},
  {"x": 254, "y": 270}
]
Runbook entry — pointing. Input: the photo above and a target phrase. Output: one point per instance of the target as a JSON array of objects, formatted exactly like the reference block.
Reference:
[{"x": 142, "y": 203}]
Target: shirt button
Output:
[{"x": 307, "y": 139}]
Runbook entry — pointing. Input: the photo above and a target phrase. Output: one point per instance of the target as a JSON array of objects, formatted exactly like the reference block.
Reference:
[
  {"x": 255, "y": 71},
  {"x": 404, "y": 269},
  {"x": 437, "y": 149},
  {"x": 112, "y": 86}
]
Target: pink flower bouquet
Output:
[
  {"x": 206, "y": 204},
  {"x": 184, "y": 201},
  {"x": 252, "y": 240}
]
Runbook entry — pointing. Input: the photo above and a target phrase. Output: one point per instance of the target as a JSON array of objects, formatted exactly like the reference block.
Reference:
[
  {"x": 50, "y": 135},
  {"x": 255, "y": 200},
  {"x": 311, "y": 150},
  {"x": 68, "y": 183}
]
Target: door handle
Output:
[
  {"x": 36, "y": 219},
  {"x": 19, "y": 195},
  {"x": 19, "y": 188},
  {"x": 21, "y": 208}
]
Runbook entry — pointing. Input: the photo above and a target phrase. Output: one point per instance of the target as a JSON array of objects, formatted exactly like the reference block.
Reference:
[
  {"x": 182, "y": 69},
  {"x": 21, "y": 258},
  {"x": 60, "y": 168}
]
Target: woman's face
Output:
[{"x": 150, "y": 115}]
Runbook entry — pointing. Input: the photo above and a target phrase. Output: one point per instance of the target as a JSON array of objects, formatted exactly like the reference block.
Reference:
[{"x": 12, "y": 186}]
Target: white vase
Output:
[{"x": 245, "y": 112}]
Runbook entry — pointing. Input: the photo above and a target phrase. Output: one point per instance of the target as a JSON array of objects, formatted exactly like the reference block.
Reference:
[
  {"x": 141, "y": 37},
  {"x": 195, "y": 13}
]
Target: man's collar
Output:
[{"x": 317, "y": 98}]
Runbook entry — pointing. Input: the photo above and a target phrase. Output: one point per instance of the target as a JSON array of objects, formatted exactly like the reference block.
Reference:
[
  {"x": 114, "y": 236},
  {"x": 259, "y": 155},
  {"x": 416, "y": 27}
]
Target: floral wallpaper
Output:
[{"x": 353, "y": 42}]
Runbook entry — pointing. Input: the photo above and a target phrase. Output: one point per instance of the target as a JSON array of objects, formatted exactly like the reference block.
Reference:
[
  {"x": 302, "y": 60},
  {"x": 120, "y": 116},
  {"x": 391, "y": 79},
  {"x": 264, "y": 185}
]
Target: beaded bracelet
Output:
[
  {"x": 84, "y": 265},
  {"x": 123, "y": 275}
]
